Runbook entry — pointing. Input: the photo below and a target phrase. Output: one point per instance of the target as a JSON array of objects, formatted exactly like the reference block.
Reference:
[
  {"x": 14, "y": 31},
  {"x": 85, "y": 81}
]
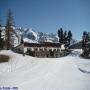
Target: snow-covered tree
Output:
[
  {"x": 9, "y": 33},
  {"x": 64, "y": 37},
  {"x": 60, "y": 35},
  {"x": 69, "y": 37},
  {"x": 1, "y": 39}
]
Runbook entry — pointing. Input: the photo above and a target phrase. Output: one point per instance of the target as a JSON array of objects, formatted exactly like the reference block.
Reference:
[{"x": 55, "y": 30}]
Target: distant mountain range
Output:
[{"x": 31, "y": 36}]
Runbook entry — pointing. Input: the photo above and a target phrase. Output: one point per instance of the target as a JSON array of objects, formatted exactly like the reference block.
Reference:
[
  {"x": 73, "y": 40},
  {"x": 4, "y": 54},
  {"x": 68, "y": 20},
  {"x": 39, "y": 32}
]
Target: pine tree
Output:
[
  {"x": 0, "y": 31},
  {"x": 61, "y": 36},
  {"x": 22, "y": 40},
  {"x": 1, "y": 39},
  {"x": 84, "y": 40},
  {"x": 69, "y": 37},
  {"x": 65, "y": 38},
  {"x": 9, "y": 31},
  {"x": 87, "y": 37}
]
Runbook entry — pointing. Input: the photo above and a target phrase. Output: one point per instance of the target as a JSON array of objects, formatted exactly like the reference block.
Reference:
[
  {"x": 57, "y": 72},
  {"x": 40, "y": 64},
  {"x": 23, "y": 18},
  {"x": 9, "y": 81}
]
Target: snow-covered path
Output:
[{"x": 29, "y": 73}]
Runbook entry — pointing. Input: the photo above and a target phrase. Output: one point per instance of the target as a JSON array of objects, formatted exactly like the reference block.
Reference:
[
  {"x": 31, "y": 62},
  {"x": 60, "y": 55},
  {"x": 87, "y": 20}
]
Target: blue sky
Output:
[{"x": 49, "y": 15}]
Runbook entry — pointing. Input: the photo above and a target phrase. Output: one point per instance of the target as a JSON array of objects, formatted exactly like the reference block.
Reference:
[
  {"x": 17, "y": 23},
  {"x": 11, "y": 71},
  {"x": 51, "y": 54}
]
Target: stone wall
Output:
[{"x": 47, "y": 52}]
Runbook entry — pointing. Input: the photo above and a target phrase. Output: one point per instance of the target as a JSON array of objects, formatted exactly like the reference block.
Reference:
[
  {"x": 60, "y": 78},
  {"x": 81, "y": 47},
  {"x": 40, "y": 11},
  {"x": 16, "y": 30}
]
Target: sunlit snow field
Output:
[{"x": 30, "y": 73}]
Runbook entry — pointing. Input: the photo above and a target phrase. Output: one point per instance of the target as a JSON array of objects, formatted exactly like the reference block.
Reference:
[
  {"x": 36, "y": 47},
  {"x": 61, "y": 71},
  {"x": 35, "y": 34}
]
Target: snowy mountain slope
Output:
[
  {"x": 30, "y": 35},
  {"x": 34, "y": 36},
  {"x": 30, "y": 40},
  {"x": 30, "y": 73}
]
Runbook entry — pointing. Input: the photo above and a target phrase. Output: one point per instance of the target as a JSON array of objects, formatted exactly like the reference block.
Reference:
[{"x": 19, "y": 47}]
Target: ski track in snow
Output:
[{"x": 30, "y": 73}]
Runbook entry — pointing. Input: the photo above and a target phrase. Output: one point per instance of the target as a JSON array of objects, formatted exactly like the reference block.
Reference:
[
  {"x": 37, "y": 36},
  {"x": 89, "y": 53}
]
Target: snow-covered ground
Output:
[{"x": 30, "y": 73}]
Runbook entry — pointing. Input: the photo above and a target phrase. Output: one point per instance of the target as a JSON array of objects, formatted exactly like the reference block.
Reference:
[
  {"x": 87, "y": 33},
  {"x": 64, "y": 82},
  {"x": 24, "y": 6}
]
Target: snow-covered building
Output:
[{"x": 45, "y": 49}]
